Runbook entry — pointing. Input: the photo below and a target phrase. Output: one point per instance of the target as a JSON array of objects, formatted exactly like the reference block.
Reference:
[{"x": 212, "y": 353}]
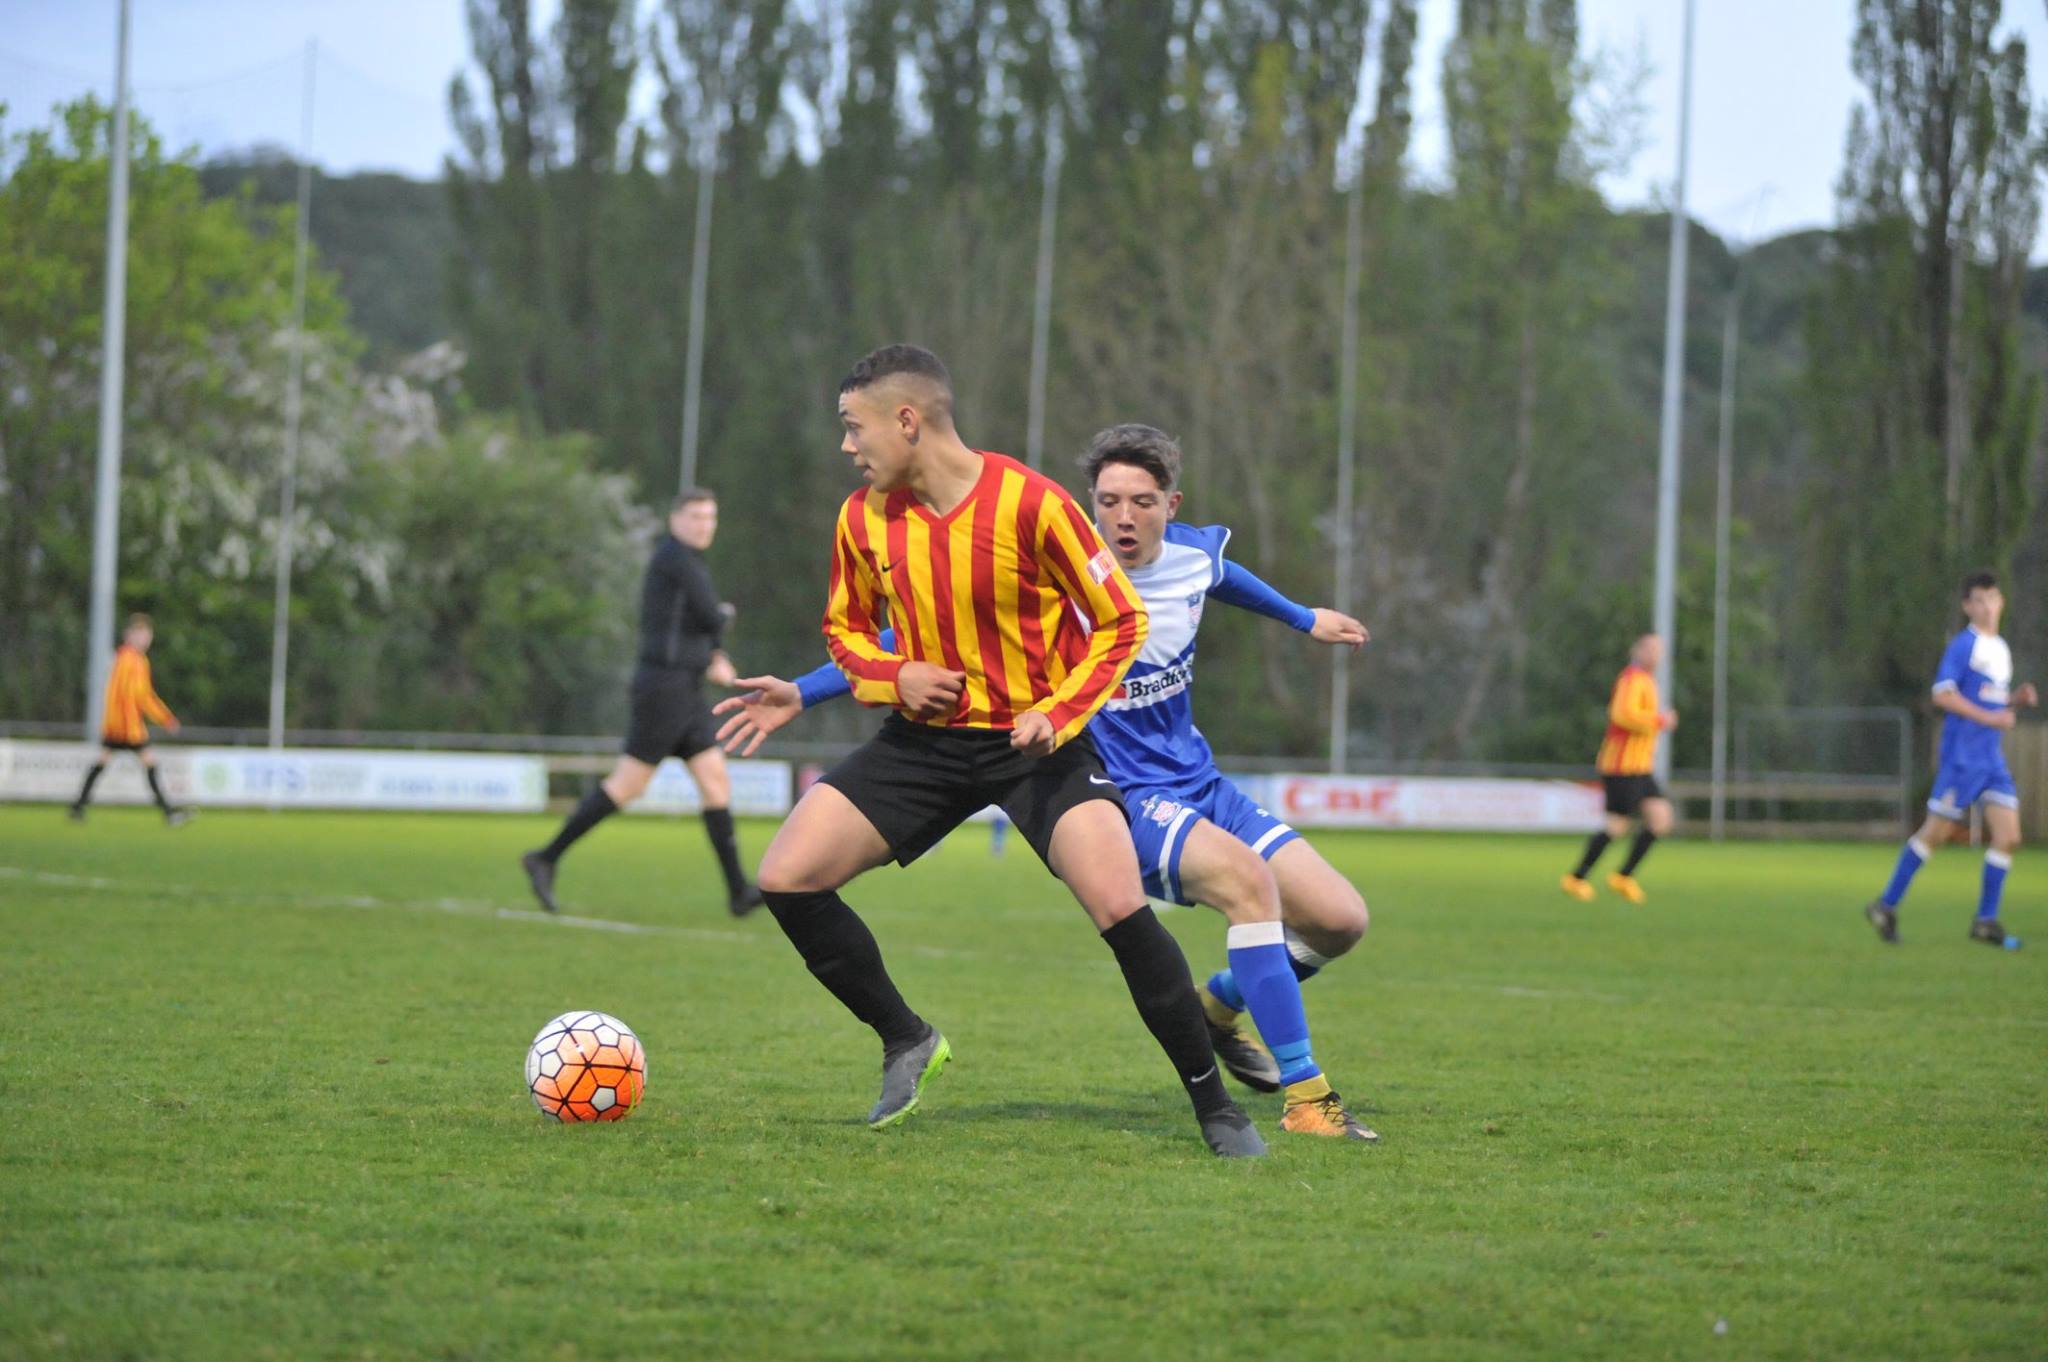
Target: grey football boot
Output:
[{"x": 903, "y": 1078}]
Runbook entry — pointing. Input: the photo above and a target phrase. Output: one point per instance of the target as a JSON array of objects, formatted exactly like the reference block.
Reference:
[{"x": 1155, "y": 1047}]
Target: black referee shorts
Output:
[
  {"x": 1625, "y": 794},
  {"x": 916, "y": 783},
  {"x": 669, "y": 717}
]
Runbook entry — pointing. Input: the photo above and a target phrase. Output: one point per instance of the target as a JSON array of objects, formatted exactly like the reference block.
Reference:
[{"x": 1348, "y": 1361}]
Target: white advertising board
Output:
[
  {"x": 1433, "y": 804},
  {"x": 760, "y": 789},
  {"x": 296, "y": 778},
  {"x": 50, "y": 772}
]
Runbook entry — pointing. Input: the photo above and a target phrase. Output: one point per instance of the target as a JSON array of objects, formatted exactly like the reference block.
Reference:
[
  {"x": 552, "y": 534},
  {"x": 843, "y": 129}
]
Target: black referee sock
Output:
[
  {"x": 718, "y": 827},
  {"x": 595, "y": 808},
  {"x": 156, "y": 789},
  {"x": 1595, "y": 844},
  {"x": 841, "y": 952},
  {"x": 1157, "y": 975},
  {"x": 1644, "y": 840},
  {"x": 92, "y": 776}
]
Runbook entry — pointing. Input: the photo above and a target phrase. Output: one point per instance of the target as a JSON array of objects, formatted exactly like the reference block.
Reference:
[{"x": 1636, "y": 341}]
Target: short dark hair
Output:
[
  {"x": 690, "y": 496},
  {"x": 1140, "y": 446},
  {"x": 1978, "y": 581},
  {"x": 891, "y": 361}
]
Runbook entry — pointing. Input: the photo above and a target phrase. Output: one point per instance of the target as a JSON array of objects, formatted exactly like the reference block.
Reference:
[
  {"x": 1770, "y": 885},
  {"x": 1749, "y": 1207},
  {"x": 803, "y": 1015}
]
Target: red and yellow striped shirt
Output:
[
  {"x": 131, "y": 699},
  {"x": 1634, "y": 722},
  {"x": 1013, "y": 587}
]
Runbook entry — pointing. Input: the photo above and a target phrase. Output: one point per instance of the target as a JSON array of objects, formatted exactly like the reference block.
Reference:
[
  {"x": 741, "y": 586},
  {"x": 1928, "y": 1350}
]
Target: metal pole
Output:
[
  {"x": 281, "y": 612},
  {"x": 1674, "y": 404},
  {"x": 106, "y": 520},
  {"x": 1347, "y": 441},
  {"x": 1723, "y": 497},
  {"x": 700, "y": 270},
  {"x": 1041, "y": 308}
]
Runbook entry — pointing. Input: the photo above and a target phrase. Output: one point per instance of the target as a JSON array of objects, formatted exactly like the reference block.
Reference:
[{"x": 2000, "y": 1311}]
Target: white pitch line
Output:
[{"x": 477, "y": 908}]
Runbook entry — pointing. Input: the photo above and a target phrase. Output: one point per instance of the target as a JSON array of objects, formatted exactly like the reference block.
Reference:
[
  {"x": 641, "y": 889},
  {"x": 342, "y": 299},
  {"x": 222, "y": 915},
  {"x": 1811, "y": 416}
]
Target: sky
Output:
[{"x": 1772, "y": 87}]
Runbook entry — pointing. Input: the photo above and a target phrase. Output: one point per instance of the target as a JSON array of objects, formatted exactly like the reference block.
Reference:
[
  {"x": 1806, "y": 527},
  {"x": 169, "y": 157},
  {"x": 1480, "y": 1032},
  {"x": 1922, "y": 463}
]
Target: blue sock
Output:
[
  {"x": 1911, "y": 857},
  {"x": 1223, "y": 987},
  {"x": 1996, "y": 863},
  {"x": 1305, "y": 962},
  {"x": 1261, "y": 974}
]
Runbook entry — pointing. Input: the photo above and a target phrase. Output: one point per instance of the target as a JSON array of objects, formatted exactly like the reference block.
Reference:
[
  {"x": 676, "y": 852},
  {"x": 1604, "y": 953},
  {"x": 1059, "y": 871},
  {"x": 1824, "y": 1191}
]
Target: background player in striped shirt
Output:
[
  {"x": 1635, "y": 722},
  {"x": 1013, "y": 625},
  {"x": 132, "y": 705},
  {"x": 1973, "y": 689}
]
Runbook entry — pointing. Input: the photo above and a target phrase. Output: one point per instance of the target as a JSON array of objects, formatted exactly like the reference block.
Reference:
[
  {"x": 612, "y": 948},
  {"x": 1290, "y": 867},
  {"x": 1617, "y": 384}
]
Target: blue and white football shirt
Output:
[{"x": 1979, "y": 668}]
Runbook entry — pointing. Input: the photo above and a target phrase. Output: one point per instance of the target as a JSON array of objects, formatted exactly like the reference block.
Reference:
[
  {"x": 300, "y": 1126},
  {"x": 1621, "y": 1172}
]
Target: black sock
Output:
[
  {"x": 92, "y": 775},
  {"x": 842, "y": 954},
  {"x": 1157, "y": 974},
  {"x": 1644, "y": 839},
  {"x": 718, "y": 827},
  {"x": 1595, "y": 844},
  {"x": 156, "y": 789},
  {"x": 595, "y": 808}
]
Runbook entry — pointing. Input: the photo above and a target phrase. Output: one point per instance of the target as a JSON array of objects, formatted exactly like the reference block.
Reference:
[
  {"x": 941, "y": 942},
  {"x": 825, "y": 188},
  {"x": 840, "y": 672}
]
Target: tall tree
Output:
[
  {"x": 1520, "y": 191},
  {"x": 1920, "y": 376}
]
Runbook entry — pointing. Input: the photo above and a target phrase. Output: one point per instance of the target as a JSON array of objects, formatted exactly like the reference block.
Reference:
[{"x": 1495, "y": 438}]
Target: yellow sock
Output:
[
  {"x": 1308, "y": 1090},
  {"x": 1214, "y": 1007}
]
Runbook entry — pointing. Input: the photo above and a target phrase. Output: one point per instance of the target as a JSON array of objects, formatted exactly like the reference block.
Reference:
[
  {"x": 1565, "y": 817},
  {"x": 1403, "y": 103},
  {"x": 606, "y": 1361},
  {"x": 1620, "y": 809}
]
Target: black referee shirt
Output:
[{"x": 680, "y": 622}]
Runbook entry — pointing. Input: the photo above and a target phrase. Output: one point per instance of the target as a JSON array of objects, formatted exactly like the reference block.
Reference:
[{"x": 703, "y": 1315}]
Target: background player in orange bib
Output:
[
  {"x": 132, "y": 706},
  {"x": 1634, "y": 724}
]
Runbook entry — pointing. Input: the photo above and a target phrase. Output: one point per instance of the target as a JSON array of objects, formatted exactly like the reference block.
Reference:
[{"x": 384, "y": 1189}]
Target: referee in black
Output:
[{"x": 681, "y": 621}]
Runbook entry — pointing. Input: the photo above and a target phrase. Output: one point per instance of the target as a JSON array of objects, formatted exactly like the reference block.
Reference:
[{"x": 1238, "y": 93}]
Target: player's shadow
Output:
[{"x": 1111, "y": 1115}]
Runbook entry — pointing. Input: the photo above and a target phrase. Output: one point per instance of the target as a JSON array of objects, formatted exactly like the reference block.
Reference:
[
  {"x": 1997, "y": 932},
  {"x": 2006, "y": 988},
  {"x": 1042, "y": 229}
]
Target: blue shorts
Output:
[
  {"x": 1162, "y": 819},
  {"x": 1956, "y": 788}
]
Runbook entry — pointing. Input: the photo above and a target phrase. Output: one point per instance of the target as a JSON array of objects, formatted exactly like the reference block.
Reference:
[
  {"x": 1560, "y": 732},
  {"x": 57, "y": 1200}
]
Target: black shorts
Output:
[
  {"x": 113, "y": 745},
  {"x": 1625, "y": 794},
  {"x": 916, "y": 784},
  {"x": 669, "y": 717}
]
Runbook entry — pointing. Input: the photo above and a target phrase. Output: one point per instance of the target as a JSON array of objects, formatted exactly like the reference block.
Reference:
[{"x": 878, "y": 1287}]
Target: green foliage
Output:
[
  {"x": 209, "y": 295},
  {"x": 508, "y": 597},
  {"x": 1606, "y": 1134}
]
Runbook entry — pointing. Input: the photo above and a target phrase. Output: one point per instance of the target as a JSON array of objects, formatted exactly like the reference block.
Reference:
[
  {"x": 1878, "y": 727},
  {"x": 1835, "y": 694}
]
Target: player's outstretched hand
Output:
[
  {"x": 1669, "y": 718},
  {"x": 1332, "y": 627},
  {"x": 767, "y": 703},
  {"x": 1033, "y": 735},
  {"x": 2026, "y": 695},
  {"x": 930, "y": 691},
  {"x": 721, "y": 672}
]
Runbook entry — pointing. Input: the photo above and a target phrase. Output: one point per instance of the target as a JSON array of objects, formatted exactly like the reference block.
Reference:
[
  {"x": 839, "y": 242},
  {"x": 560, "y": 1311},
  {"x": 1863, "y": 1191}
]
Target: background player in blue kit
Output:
[
  {"x": 1199, "y": 838},
  {"x": 1974, "y": 688}
]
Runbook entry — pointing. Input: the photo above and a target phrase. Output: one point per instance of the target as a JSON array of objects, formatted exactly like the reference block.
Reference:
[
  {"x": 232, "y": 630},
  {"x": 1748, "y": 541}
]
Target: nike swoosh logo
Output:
[
  {"x": 1204, "y": 1074},
  {"x": 1098, "y": 780}
]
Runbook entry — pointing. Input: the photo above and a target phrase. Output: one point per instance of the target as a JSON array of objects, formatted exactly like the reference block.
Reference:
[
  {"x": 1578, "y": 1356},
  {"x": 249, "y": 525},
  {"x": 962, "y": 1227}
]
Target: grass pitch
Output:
[{"x": 262, "y": 1095}]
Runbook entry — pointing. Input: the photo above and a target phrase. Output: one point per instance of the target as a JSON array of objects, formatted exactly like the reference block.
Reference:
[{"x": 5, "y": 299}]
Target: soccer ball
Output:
[{"x": 586, "y": 1066}]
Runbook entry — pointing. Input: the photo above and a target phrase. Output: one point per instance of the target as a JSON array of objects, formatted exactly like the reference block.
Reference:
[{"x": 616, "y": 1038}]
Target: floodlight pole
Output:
[
  {"x": 1666, "y": 608},
  {"x": 1041, "y": 306},
  {"x": 106, "y": 520},
  {"x": 294, "y": 389},
  {"x": 1347, "y": 441},
  {"x": 700, "y": 271},
  {"x": 1723, "y": 499}
]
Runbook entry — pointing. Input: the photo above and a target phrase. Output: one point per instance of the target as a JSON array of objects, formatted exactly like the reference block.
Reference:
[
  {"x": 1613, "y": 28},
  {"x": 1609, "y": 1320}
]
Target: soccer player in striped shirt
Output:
[
  {"x": 132, "y": 704},
  {"x": 1635, "y": 721},
  {"x": 1013, "y": 626}
]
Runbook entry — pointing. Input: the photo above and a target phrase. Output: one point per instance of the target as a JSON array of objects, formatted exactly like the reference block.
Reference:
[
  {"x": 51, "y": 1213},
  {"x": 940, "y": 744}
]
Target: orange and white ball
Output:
[{"x": 586, "y": 1066}]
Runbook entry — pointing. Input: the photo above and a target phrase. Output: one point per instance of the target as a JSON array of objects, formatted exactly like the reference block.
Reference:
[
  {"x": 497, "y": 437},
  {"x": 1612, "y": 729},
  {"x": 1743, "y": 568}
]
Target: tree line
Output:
[{"x": 477, "y": 509}]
